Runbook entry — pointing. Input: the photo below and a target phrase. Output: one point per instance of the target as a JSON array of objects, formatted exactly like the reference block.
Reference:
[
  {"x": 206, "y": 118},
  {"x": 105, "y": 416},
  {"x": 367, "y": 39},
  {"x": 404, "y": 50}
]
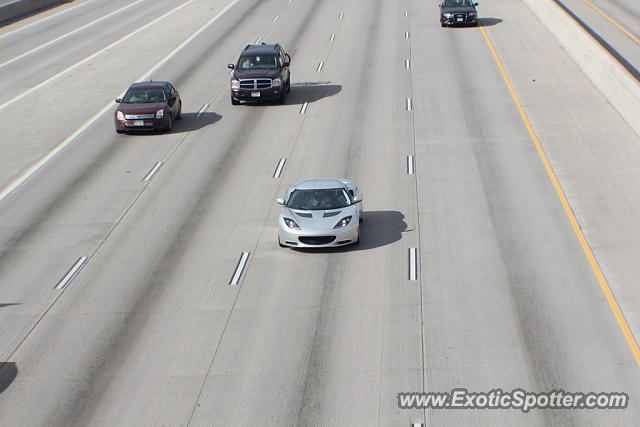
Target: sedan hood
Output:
[
  {"x": 146, "y": 108},
  {"x": 256, "y": 74},
  {"x": 318, "y": 220},
  {"x": 458, "y": 9}
]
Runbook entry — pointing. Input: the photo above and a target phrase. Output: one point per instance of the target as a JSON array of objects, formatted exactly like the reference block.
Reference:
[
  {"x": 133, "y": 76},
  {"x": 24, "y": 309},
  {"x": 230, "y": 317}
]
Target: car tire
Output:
[
  {"x": 179, "y": 116},
  {"x": 170, "y": 125},
  {"x": 360, "y": 218},
  {"x": 234, "y": 101},
  {"x": 289, "y": 85},
  {"x": 281, "y": 99}
]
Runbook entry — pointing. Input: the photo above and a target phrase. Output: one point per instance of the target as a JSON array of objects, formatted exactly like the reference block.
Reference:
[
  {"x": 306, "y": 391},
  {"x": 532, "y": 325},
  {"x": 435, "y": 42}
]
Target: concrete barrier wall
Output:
[
  {"x": 616, "y": 83},
  {"x": 24, "y": 7}
]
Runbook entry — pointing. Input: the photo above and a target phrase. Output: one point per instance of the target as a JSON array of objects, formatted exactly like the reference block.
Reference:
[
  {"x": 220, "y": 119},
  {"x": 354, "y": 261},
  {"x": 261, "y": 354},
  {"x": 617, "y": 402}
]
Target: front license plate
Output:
[
  {"x": 138, "y": 122},
  {"x": 255, "y": 94}
]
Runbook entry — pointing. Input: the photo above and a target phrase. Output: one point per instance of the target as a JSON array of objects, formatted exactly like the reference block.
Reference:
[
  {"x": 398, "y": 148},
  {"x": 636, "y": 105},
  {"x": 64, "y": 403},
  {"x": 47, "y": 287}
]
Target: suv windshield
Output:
[
  {"x": 333, "y": 198},
  {"x": 458, "y": 3},
  {"x": 252, "y": 62},
  {"x": 144, "y": 95}
]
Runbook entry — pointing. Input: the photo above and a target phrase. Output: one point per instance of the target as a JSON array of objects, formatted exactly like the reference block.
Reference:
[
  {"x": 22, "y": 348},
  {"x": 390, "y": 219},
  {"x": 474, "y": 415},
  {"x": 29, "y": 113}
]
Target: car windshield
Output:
[
  {"x": 333, "y": 198},
  {"x": 458, "y": 3},
  {"x": 143, "y": 95},
  {"x": 252, "y": 62}
]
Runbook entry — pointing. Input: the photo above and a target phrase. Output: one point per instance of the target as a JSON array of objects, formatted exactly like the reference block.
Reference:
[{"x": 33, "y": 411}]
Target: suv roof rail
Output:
[{"x": 247, "y": 47}]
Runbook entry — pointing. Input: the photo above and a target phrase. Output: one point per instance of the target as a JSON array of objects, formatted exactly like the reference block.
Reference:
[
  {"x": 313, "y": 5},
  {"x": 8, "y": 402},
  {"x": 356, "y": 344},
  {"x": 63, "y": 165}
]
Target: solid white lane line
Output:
[
  {"x": 42, "y": 46},
  {"x": 406, "y": 34},
  {"x": 92, "y": 56},
  {"x": 34, "y": 168},
  {"x": 276, "y": 18},
  {"x": 409, "y": 106},
  {"x": 320, "y": 65},
  {"x": 413, "y": 258},
  {"x": 152, "y": 172},
  {"x": 304, "y": 108},
  {"x": 279, "y": 168},
  {"x": 333, "y": 36},
  {"x": 410, "y": 164},
  {"x": 239, "y": 268},
  {"x": 341, "y": 15},
  {"x": 202, "y": 110},
  {"x": 71, "y": 273},
  {"x": 45, "y": 19}
]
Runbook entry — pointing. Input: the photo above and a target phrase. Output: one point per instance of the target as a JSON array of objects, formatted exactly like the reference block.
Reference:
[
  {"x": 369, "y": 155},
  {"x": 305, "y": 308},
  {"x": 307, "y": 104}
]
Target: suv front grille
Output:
[{"x": 253, "y": 84}]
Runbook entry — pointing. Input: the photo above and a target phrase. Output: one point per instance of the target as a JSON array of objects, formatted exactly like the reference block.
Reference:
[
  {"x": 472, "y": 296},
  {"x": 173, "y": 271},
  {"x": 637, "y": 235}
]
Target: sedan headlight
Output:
[
  {"x": 447, "y": 15},
  {"x": 343, "y": 222},
  {"x": 276, "y": 82},
  {"x": 159, "y": 114},
  {"x": 235, "y": 84},
  {"x": 119, "y": 115},
  {"x": 291, "y": 223}
]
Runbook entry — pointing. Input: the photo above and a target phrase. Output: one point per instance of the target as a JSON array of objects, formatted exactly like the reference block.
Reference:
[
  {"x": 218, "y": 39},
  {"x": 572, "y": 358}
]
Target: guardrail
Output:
[
  {"x": 609, "y": 71},
  {"x": 19, "y": 8}
]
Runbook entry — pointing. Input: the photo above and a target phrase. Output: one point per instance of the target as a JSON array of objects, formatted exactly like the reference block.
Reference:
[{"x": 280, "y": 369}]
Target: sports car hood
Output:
[
  {"x": 257, "y": 74},
  {"x": 318, "y": 220},
  {"x": 142, "y": 108}
]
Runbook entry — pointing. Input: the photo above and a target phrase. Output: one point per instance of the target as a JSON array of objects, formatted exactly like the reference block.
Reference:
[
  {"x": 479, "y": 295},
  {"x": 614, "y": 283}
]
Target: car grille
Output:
[
  {"x": 317, "y": 240},
  {"x": 139, "y": 116},
  {"x": 457, "y": 16},
  {"x": 254, "y": 84}
]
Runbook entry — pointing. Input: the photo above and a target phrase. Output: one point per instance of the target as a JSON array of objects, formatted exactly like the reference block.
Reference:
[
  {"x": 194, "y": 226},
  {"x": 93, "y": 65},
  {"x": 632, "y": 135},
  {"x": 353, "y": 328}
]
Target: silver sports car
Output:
[{"x": 320, "y": 213}]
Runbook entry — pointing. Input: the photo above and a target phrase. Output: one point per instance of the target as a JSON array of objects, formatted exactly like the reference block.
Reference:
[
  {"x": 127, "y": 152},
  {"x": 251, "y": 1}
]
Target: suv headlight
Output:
[
  {"x": 291, "y": 223},
  {"x": 276, "y": 82},
  {"x": 159, "y": 114},
  {"x": 472, "y": 15},
  {"x": 448, "y": 15},
  {"x": 119, "y": 115},
  {"x": 343, "y": 222},
  {"x": 235, "y": 84}
]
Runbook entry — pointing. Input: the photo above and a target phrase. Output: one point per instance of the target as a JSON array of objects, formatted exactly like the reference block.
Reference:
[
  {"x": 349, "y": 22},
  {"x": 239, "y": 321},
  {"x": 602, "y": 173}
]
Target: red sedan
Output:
[{"x": 148, "y": 106}]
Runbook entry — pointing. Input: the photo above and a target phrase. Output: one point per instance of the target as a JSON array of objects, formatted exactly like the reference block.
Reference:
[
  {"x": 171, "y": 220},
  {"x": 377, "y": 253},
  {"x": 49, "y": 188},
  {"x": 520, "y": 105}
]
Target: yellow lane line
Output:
[
  {"x": 620, "y": 27},
  {"x": 574, "y": 223}
]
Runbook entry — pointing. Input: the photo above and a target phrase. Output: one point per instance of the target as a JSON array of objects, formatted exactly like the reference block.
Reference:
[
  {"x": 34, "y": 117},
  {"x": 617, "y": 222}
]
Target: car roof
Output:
[
  {"x": 149, "y": 84},
  {"x": 261, "y": 48},
  {"x": 318, "y": 184}
]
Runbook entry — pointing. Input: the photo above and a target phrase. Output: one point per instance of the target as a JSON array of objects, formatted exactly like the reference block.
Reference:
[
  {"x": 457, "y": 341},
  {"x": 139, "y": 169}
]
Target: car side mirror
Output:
[
  {"x": 357, "y": 199},
  {"x": 476, "y": 4},
  {"x": 118, "y": 100},
  {"x": 285, "y": 64},
  {"x": 231, "y": 66},
  {"x": 280, "y": 201},
  {"x": 441, "y": 5}
]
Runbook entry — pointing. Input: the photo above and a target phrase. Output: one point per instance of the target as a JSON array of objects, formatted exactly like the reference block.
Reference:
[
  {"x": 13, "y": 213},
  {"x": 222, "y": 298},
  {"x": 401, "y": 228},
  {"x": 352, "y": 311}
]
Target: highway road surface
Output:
[{"x": 485, "y": 149}]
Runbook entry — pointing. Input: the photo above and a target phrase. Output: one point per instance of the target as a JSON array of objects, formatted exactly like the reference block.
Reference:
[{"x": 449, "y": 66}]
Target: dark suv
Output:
[
  {"x": 262, "y": 73},
  {"x": 458, "y": 12}
]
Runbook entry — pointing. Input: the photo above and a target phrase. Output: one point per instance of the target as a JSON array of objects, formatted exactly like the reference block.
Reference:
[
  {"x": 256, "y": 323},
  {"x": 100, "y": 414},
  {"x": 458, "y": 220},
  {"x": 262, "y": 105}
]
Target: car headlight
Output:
[
  {"x": 291, "y": 223},
  {"x": 159, "y": 114},
  {"x": 343, "y": 222},
  {"x": 447, "y": 15},
  {"x": 276, "y": 82},
  {"x": 472, "y": 15},
  {"x": 119, "y": 115},
  {"x": 235, "y": 84}
]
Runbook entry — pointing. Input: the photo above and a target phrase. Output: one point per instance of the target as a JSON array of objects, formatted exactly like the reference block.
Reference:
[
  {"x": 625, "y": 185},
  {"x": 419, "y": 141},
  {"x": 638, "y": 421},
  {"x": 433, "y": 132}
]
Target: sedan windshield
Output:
[
  {"x": 458, "y": 3},
  {"x": 253, "y": 62},
  {"x": 143, "y": 95},
  {"x": 333, "y": 198}
]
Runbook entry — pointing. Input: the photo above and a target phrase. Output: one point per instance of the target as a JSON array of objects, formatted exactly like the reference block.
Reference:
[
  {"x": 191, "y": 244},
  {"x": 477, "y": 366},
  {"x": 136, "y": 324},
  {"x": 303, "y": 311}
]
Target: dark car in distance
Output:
[
  {"x": 458, "y": 12},
  {"x": 148, "y": 106},
  {"x": 261, "y": 74}
]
